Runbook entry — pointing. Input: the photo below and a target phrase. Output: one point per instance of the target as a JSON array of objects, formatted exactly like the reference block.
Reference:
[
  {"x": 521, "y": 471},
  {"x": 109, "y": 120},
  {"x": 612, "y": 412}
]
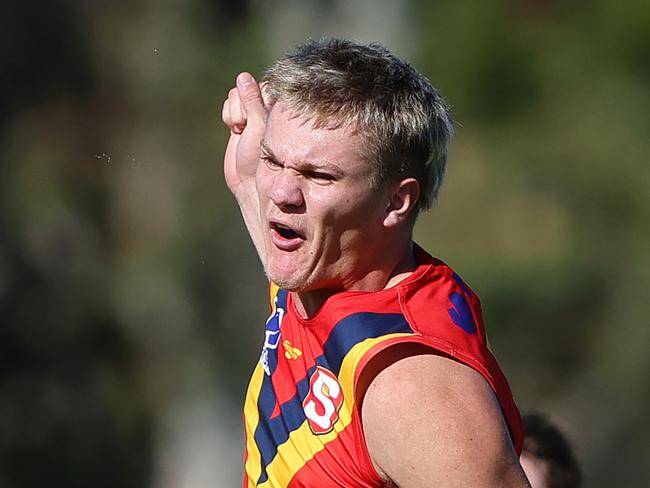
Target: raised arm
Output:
[
  {"x": 245, "y": 114},
  {"x": 430, "y": 421}
]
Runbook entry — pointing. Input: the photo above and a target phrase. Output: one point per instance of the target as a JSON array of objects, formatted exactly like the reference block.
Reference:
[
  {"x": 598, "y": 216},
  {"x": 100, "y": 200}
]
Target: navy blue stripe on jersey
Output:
[
  {"x": 272, "y": 432},
  {"x": 282, "y": 298},
  {"x": 356, "y": 328}
]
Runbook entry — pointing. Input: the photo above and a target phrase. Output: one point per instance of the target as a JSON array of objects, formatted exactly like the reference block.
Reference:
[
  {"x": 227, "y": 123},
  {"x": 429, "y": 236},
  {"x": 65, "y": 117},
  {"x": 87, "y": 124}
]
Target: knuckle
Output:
[{"x": 251, "y": 95}]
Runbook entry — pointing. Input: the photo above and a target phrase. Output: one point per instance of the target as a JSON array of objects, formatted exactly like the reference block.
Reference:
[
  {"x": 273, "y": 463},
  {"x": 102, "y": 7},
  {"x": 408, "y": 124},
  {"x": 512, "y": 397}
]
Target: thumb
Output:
[{"x": 251, "y": 100}]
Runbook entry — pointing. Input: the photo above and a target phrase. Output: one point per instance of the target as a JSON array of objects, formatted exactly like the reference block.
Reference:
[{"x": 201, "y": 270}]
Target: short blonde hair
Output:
[{"x": 404, "y": 122}]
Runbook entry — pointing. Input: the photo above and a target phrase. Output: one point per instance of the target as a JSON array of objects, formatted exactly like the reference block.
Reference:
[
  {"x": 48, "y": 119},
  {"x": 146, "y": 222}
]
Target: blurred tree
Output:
[{"x": 553, "y": 104}]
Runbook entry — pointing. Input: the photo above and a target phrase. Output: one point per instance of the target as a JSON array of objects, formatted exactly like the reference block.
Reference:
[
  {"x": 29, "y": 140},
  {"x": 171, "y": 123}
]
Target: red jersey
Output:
[{"x": 302, "y": 415}]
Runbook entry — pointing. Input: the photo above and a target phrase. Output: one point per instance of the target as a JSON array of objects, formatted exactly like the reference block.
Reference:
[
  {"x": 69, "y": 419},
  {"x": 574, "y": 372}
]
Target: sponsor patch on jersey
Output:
[
  {"x": 291, "y": 352},
  {"x": 322, "y": 403}
]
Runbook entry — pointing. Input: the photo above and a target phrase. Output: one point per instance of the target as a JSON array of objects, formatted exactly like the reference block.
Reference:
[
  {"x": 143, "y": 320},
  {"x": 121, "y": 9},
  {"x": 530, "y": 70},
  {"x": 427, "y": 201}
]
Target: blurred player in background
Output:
[{"x": 547, "y": 457}]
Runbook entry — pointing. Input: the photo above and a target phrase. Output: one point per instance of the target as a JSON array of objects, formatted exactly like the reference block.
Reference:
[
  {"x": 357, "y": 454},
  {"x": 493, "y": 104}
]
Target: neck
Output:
[{"x": 393, "y": 272}]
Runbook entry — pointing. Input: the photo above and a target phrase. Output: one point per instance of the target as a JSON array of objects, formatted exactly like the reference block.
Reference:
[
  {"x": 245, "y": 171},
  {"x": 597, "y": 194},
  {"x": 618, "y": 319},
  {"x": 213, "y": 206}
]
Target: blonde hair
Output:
[{"x": 404, "y": 122}]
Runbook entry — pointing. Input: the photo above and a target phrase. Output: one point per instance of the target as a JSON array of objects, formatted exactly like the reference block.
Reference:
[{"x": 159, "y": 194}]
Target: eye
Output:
[
  {"x": 270, "y": 162},
  {"x": 323, "y": 177}
]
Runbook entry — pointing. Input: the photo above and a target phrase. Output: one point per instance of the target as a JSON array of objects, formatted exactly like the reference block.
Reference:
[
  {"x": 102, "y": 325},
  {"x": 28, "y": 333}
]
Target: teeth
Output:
[{"x": 281, "y": 226}]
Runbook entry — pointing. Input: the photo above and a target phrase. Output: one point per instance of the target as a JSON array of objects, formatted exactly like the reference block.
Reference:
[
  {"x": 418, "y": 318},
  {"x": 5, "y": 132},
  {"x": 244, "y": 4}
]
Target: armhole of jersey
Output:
[
  {"x": 392, "y": 350},
  {"x": 482, "y": 362},
  {"x": 376, "y": 359}
]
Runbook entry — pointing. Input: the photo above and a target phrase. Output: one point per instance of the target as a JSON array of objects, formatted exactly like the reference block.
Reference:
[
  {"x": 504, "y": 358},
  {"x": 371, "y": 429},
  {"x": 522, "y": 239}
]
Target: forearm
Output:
[
  {"x": 245, "y": 114},
  {"x": 250, "y": 210}
]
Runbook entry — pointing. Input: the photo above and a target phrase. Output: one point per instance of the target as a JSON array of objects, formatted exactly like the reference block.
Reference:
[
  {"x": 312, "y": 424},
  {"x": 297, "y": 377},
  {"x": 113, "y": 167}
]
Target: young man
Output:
[{"x": 375, "y": 369}]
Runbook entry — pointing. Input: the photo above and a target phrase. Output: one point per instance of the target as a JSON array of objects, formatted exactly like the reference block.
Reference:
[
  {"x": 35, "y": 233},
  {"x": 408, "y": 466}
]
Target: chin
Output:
[{"x": 286, "y": 282}]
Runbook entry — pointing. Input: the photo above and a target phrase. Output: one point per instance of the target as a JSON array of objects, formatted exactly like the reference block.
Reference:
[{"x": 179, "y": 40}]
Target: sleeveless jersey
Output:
[{"x": 302, "y": 414}]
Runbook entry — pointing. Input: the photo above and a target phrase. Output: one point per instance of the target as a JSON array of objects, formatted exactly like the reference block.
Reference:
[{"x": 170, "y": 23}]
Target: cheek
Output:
[
  {"x": 362, "y": 208},
  {"x": 352, "y": 212},
  {"x": 322, "y": 205}
]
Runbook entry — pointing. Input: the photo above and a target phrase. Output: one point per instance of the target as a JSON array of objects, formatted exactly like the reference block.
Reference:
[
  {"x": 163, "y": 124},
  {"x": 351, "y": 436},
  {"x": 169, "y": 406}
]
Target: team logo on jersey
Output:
[
  {"x": 271, "y": 336},
  {"x": 461, "y": 313},
  {"x": 322, "y": 403},
  {"x": 291, "y": 352}
]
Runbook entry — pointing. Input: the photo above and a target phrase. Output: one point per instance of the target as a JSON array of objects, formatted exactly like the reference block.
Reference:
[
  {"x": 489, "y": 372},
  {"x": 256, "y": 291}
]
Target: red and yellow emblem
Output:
[{"x": 322, "y": 403}]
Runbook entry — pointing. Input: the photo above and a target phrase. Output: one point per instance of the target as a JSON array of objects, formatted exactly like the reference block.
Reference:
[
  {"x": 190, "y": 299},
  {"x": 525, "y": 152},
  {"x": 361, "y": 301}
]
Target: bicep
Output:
[{"x": 430, "y": 421}]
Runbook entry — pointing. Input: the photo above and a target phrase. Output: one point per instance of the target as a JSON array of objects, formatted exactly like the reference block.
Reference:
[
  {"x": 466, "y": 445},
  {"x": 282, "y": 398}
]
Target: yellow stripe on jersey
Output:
[
  {"x": 302, "y": 445},
  {"x": 251, "y": 414},
  {"x": 273, "y": 292}
]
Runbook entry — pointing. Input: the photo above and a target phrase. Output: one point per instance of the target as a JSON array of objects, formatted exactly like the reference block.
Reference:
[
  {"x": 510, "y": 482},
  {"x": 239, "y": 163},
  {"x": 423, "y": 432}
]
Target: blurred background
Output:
[{"x": 132, "y": 302}]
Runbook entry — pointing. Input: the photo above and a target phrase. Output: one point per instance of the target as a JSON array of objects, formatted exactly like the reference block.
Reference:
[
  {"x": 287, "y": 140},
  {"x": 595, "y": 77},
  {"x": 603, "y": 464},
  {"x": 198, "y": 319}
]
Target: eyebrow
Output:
[
  {"x": 304, "y": 165},
  {"x": 268, "y": 151}
]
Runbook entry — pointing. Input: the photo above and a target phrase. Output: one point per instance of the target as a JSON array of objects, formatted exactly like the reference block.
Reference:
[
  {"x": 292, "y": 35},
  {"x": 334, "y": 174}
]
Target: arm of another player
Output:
[
  {"x": 245, "y": 114},
  {"x": 431, "y": 421}
]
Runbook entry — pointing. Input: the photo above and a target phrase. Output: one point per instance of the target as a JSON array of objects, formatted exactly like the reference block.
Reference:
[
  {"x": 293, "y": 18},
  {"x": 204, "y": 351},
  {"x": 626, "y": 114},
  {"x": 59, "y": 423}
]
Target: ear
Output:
[{"x": 402, "y": 202}]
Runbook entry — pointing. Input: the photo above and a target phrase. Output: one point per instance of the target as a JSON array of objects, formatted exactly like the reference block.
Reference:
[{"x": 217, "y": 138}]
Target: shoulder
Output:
[
  {"x": 439, "y": 301},
  {"x": 430, "y": 420}
]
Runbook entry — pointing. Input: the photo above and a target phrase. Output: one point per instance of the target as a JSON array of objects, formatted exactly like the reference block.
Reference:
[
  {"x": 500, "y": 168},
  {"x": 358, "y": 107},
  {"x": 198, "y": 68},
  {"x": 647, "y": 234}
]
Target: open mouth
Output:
[{"x": 285, "y": 232}]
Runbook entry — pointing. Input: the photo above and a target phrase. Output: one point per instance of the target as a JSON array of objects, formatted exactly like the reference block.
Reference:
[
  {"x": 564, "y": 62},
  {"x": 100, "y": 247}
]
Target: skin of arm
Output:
[
  {"x": 245, "y": 113},
  {"x": 430, "y": 421}
]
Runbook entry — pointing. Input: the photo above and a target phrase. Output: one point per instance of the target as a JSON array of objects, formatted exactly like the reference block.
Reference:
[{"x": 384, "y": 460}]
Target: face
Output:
[{"x": 321, "y": 215}]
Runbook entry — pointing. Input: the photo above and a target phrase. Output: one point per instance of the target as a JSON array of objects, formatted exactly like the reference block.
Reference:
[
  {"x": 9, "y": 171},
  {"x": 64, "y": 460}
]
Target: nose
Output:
[{"x": 286, "y": 191}]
